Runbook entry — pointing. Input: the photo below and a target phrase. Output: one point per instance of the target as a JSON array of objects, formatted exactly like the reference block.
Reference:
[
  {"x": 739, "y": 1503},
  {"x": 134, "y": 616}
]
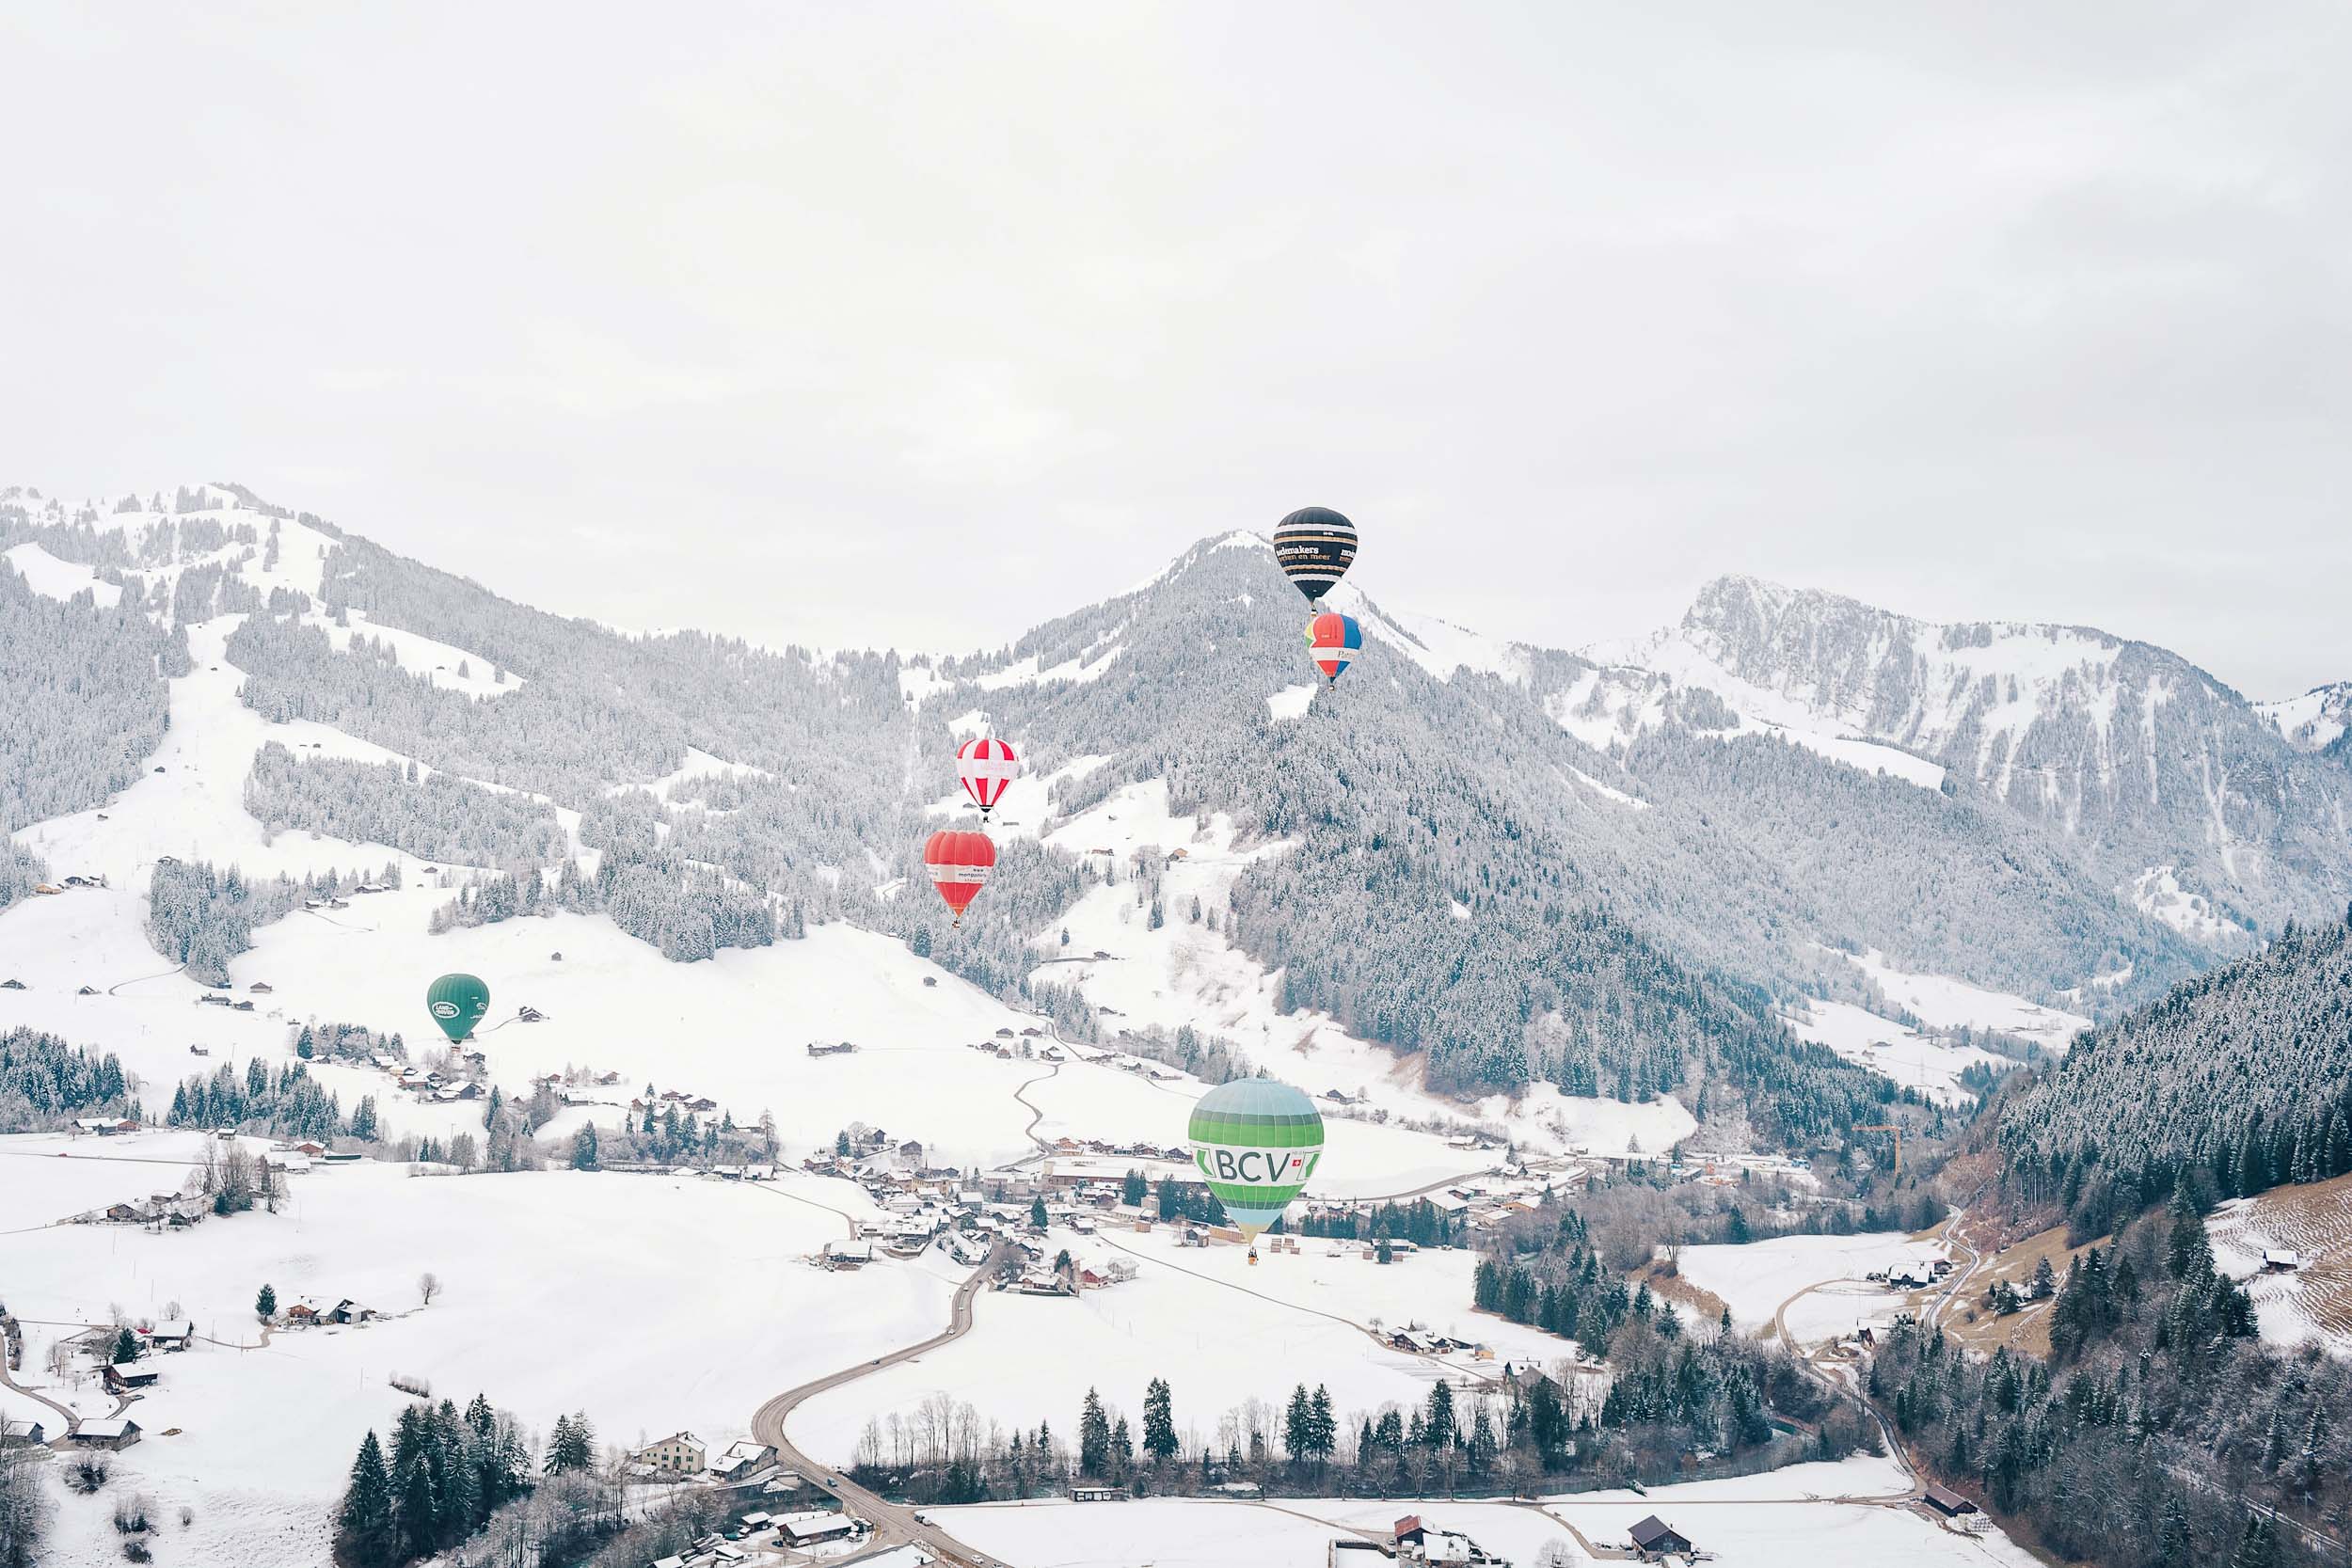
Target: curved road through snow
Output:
[{"x": 893, "y": 1522}]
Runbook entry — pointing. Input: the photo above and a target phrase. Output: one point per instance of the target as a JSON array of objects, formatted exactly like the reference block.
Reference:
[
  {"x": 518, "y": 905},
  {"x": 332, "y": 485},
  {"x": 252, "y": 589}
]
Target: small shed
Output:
[{"x": 1947, "y": 1503}]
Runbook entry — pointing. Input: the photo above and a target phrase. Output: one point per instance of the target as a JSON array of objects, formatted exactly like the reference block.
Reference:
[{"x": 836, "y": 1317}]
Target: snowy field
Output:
[
  {"x": 1912, "y": 1060},
  {"x": 1790, "y": 1518},
  {"x": 1206, "y": 1320},
  {"x": 1945, "y": 1004},
  {"x": 636, "y": 1298},
  {"x": 2310, "y": 1304},
  {"x": 1756, "y": 1279}
]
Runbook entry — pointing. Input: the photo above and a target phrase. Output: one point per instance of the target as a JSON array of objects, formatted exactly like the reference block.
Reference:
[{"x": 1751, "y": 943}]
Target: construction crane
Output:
[{"x": 1889, "y": 1127}]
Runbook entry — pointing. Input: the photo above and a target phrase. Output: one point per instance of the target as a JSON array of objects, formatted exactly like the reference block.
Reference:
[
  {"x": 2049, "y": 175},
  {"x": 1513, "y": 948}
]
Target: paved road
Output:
[{"x": 893, "y": 1522}]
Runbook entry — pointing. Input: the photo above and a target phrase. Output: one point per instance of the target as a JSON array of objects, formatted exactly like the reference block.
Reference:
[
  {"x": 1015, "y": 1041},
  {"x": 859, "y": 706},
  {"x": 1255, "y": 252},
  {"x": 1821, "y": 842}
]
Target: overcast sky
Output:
[{"x": 917, "y": 324}]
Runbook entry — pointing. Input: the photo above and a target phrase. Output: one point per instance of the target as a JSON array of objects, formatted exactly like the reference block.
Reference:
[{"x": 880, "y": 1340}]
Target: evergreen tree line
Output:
[
  {"x": 2238, "y": 1080},
  {"x": 685, "y": 911},
  {"x": 2159, "y": 1426},
  {"x": 447, "y": 1473},
  {"x": 288, "y": 1103},
  {"x": 203, "y": 917},
  {"x": 43, "y": 1081},
  {"x": 83, "y": 705},
  {"x": 438, "y": 818},
  {"x": 1675, "y": 1389}
]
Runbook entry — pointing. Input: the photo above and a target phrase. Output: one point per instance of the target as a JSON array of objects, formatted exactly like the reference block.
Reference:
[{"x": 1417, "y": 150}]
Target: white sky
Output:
[{"x": 921, "y": 323}]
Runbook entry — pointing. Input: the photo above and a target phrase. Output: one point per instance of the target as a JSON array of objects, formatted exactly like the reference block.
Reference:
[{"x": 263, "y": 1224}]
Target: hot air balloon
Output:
[
  {"x": 987, "y": 767},
  {"x": 959, "y": 864},
  {"x": 1332, "y": 639},
  {"x": 1257, "y": 1142},
  {"x": 1315, "y": 545},
  {"x": 457, "y": 1003}
]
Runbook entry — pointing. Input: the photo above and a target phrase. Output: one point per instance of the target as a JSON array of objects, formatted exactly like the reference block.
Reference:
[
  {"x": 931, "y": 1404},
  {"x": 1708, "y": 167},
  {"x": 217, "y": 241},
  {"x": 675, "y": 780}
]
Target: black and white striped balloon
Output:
[{"x": 1315, "y": 545}]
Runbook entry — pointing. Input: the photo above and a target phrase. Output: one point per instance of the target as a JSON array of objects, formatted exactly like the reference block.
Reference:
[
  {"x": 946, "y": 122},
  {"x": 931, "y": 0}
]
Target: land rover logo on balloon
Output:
[{"x": 444, "y": 1009}]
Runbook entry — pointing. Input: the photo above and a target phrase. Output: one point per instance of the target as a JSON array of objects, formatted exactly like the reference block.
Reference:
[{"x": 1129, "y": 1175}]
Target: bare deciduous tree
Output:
[{"x": 428, "y": 1286}]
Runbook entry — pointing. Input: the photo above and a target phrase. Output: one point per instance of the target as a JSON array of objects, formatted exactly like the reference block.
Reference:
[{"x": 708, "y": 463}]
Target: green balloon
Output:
[
  {"x": 1257, "y": 1142},
  {"x": 457, "y": 1003}
]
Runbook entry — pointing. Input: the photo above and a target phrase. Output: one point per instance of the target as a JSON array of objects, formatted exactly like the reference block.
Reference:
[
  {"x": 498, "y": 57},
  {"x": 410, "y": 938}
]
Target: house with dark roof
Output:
[
  {"x": 1947, "y": 1503},
  {"x": 1656, "y": 1538}
]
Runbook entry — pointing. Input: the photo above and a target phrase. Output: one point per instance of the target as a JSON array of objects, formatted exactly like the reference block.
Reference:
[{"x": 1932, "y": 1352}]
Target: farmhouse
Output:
[
  {"x": 1417, "y": 1542},
  {"x": 798, "y": 1529},
  {"x": 124, "y": 1376},
  {"x": 23, "y": 1434},
  {"x": 1655, "y": 1538},
  {"x": 680, "y": 1453},
  {"x": 2281, "y": 1261},
  {"x": 742, "y": 1460},
  {"x": 848, "y": 1254},
  {"x": 1097, "y": 1494},
  {"x": 105, "y": 1126},
  {"x": 1910, "y": 1276},
  {"x": 118, "y": 1431}
]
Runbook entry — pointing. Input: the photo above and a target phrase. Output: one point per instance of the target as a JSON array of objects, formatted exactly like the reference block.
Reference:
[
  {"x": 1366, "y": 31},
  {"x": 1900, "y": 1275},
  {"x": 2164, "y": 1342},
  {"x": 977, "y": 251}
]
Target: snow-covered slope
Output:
[
  {"x": 2316, "y": 720},
  {"x": 2123, "y": 752}
]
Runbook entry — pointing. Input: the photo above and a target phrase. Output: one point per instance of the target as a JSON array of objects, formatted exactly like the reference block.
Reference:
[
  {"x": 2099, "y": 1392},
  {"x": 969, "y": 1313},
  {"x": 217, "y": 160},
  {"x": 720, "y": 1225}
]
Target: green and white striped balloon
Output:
[{"x": 1257, "y": 1142}]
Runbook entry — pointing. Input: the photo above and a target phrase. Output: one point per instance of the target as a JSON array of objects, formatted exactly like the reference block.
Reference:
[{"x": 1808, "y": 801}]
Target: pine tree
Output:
[
  {"x": 363, "y": 1521},
  {"x": 265, "y": 1305},
  {"x": 1037, "y": 1212},
  {"x": 1094, "y": 1436},
  {"x": 1159, "y": 1421},
  {"x": 584, "y": 1154}
]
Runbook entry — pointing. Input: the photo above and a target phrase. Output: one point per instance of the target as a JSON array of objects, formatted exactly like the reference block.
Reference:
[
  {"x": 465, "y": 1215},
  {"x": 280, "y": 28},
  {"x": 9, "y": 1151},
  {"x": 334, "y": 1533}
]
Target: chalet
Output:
[
  {"x": 742, "y": 1460},
  {"x": 2281, "y": 1261},
  {"x": 530, "y": 1014},
  {"x": 1947, "y": 1501},
  {"x": 263, "y": 988},
  {"x": 170, "y": 1339},
  {"x": 799, "y": 1530},
  {"x": 85, "y": 881},
  {"x": 86, "y": 991},
  {"x": 1909, "y": 1276},
  {"x": 839, "y": 1048},
  {"x": 11, "y": 983},
  {"x": 124, "y": 1213},
  {"x": 198, "y": 1051},
  {"x": 51, "y": 888},
  {"x": 105, "y": 1126},
  {"x": 1654, "y": 1539},
  {"x": 14, "y": 1435},
  {"x": 118, "y": 1431},
  {"x": 124, "y": 1376},
  {"x": 848, "y": 1254},
  {"x": 1097, "y": 1494},
  {"x": 680, "y": 1453},
  {"x": 349, "y": 1311},
  {"x": 303, "y": 1313},
  {"x": 308, "y": 1149}
]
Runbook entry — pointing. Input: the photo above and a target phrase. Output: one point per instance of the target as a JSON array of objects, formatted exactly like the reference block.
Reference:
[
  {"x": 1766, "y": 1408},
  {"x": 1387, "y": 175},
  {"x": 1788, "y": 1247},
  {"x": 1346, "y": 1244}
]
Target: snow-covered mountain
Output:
[
  {"x": 2185, "y": 799},
  {"x": 1653, "y": 869}
]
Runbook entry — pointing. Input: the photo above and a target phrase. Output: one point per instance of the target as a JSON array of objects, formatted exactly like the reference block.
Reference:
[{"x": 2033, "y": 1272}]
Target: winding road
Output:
[{"x": 894, "y": 1523}]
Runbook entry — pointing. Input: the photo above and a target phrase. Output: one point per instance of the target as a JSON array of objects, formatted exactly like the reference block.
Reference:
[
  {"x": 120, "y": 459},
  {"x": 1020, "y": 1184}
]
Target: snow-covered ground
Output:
[
  {"x": 2156, "y": 891},
  {"x": 1918, "y": 1061},
  {"x": 2310, "y": 1302},
  {"x": 1185, "y": 974},
  {"x": 640, "y": 1299},
  {"x": 1826, "y": 1275},
  {"x": 1942, "y": 1003},
  {"x": 60, "y": 579},
  {"x": 1787, "y": 1519},
  {"x": 1221, "y": 1330}
]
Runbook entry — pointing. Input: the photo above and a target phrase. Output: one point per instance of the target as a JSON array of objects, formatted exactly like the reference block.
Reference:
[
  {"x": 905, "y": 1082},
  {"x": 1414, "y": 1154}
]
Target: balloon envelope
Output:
[
  {"x": 1257, "y": 1142},
  {"x": 1315, "y": 545},
  {"x": 986, "y": 768},
  {"x": 457, "y": 1003},
  {"x": 1332, "y": 639},
  {"x": 959, "y": 864}
]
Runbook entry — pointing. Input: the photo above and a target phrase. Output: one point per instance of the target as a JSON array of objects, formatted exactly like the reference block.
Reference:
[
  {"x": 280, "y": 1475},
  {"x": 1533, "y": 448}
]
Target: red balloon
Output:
[{"x": 959, "y": 864}]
